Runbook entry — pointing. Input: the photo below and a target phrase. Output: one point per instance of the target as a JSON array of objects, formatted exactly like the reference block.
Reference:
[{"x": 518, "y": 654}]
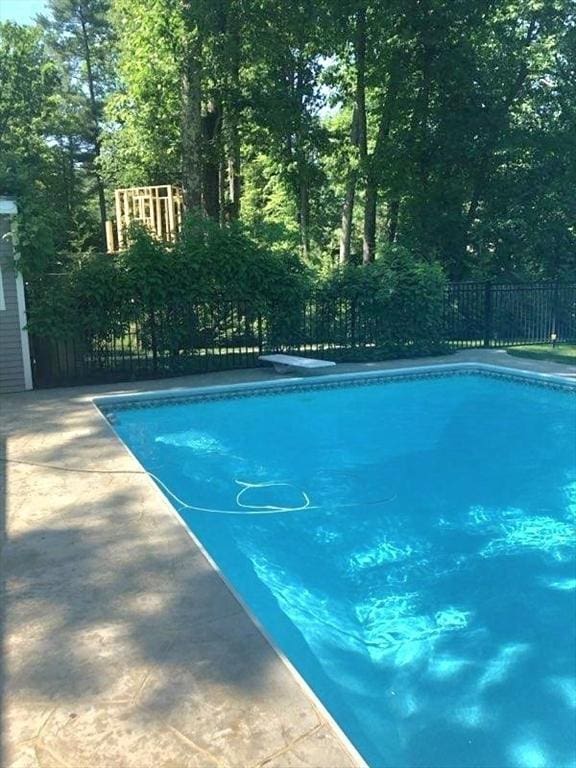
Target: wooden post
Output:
[
  {"x": 126, "y": 217},
  {"x": 148, "y": 209},
  {"x": 171, "y": 223},
  {"x": 163, "y": 218},
  {"x": 178, "y": 204},
  {"x": 158, "y": 214},
  {"x": 110, "y": 237},
  {"x": 118, "y": 217}
]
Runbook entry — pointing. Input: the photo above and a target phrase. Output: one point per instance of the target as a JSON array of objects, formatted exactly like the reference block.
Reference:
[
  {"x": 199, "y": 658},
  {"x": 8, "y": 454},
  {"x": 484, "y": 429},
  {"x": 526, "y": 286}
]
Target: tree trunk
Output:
[
  {"x": 393, "y": 213},
  {"x": 297, "y": 155},
  {"x": 347, "y": 214},
  {"x": 369, "y": 236},
  {"x": 304, "y": 215},
  {"x": 68, "y": 156},
  {"x": 369, "y": 202},
  {"x": 485, "y": 160},
  {"x": 191, "y": 114},
  {"x": 234, "y": 180},
  {"x": 360, "y": 57},
  {"x": 222, "y": 190},
  {"x": 349, "y": 197},
  {"x": 498, "y": 124},
  {"x": 212, "y": 124},
  {"x": 72, "y": 185},
  {"x": 374, "y": 162},
  {"x": 96, "y": 125},
  {"x": 417, "y": 144},
  {"x": 232, "y": 116},
  {"x": 422, "y": 113}
]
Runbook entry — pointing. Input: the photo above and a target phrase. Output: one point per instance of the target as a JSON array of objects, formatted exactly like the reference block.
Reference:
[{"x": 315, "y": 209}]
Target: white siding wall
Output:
[{"x": 12, "y": 376}]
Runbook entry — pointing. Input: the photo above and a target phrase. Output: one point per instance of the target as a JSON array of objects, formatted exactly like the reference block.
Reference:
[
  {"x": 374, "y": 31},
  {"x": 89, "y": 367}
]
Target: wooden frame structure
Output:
[{"x": 157, "y": 208}]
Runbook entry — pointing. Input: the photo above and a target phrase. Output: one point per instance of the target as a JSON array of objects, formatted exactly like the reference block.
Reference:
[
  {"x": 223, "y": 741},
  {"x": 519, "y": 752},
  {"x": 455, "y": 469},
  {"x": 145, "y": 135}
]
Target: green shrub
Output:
[
  {"x": 183, "y": 296},
  {"x": 90, "y": 298},
  {"x": 396, "y": 303},
  {"x": 217, "y": 287}
]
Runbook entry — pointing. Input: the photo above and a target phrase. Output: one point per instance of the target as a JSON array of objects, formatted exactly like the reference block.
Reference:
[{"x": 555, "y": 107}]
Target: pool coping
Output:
[
  {"x": 287, "y": 383},
  {"x": 282, "y": 386}
]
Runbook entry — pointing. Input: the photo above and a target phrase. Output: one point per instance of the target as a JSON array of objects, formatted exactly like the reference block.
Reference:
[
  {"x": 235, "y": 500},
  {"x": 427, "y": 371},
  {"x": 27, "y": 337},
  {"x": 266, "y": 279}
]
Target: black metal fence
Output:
[
  {"x": 498, "y": 315},
  {"x": 219, "y": 335}
]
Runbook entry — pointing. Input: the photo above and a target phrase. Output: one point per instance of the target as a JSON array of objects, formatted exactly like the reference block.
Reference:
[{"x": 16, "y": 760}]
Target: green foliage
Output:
[
  {"x": 27, "y": 165},
  {"x": 470, "y": 112},
  {"x": 79, "y": 39},
  {"x": 142, "y": 135},
  {"x": 72, "y": 26},
  {"x": 99, "y": 296},
  {"x": 399, "y": 299},
  {"x": 219, "y": 284},
  {"x": 48, "y": 134},
  {"x": 88, "y": 299}
]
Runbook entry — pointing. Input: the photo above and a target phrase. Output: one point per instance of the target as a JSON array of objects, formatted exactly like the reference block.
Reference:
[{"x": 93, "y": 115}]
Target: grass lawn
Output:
[{"x": 561, "y": 353}]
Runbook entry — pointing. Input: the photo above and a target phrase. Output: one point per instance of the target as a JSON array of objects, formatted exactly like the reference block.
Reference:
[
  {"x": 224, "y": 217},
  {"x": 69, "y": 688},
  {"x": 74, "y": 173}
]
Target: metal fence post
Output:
[
  {"x": 260, "y": 336},
  {"x": 555, "y": 303},
  {"x": 488, "y": 318}
]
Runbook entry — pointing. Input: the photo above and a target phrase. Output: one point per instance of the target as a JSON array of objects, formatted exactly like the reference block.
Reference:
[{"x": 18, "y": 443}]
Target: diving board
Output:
[{"x": 288, "y": 363}]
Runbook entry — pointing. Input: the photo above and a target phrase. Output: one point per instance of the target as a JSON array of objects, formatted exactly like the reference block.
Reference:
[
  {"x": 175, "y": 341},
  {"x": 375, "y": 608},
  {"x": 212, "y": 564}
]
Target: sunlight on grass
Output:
[{"x": 561, "y": 353}]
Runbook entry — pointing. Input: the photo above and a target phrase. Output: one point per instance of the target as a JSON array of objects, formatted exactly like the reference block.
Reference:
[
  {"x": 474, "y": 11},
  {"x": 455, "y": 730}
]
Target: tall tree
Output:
[
  {"x": 35, "y": 167},
  {"x": 188, "y": 54},
  {"x": 192, "y": 139},
  {"x": 333, "y": 129},
  {"x": 80, "y": 35},
  {"x": 284, "y": 64},
  {"x": 349, "y": 195}
]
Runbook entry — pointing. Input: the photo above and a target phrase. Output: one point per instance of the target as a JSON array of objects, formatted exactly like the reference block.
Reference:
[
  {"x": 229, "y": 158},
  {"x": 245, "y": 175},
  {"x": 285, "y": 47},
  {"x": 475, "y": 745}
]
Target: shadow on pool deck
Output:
[
  {"x": 3, "y": 495},
  {"x": 122, "y": 644}
]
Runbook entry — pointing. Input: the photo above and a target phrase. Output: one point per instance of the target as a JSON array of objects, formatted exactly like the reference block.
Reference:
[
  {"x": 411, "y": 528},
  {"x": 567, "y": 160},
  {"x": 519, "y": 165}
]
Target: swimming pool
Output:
[{"x": 424, "y": 587}]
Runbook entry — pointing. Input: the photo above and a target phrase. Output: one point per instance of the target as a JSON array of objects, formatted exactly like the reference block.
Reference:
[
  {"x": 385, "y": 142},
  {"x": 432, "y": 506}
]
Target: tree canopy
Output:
[{"x": 337, "y": 131}]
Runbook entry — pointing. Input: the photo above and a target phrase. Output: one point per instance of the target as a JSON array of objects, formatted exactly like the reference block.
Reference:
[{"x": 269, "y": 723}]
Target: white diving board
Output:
[{"x": 287, "y": 363}]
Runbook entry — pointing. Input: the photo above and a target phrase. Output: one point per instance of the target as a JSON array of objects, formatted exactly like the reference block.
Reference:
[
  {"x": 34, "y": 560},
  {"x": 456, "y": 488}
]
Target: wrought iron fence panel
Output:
[{"x": 156, "y": 342}]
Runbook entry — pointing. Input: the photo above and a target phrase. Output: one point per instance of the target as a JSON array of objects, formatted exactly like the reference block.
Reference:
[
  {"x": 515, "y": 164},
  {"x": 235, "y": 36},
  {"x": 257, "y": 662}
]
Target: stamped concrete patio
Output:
[{"x": 122, "y": 647}]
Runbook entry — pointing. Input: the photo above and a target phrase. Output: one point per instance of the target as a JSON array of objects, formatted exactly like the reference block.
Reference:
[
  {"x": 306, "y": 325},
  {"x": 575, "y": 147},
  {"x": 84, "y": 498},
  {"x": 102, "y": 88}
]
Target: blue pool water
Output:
[{"x": 428, "y": 595}]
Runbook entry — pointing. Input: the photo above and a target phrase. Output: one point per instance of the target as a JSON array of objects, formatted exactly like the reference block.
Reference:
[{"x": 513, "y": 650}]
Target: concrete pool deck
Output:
[{"x": 121, "y": 646}]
